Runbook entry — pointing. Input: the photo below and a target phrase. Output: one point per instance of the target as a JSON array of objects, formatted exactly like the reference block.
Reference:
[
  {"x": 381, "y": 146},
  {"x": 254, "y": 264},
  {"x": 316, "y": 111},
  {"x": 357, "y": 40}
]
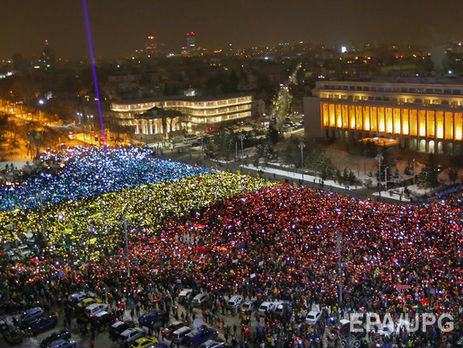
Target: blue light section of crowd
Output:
[{"x": 80, "y": 172}]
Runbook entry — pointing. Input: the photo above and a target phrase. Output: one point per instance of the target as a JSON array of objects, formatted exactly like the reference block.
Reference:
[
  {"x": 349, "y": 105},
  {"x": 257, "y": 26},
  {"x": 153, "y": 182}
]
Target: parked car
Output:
[
  {"x": 24, "y": 251},
  {"x": 144, "y": 342},
  {"x": 248, "y": 306},
  {"x": 150, "y": 319},
  {"x": 282, "y": 309},
  {"x": 266, "y": 307},
  {"x": 195, "y": 338},
  {"x": 159, "y": 345},
  {"x": 81, "y": 295},
  {"x": 235, "y": 301},
  {"x": 314, "y": 315},
  {"x": 78, "y": 296},
  {"x": 57, "y": 335},
  {"x": 29, "y": 316},
  {"x": 200, "y": 299},
  {"x": 212, "y": 344},
  {"x": 102, "y": 319},
  {"x": 88, "y": 301},
  {"x": 43, "y": 324},
  {"x": 131, "y": 335},
  {"x": 185, "y": 295},
  {"x": 95, "y": 308},
  {"x": 166, "y": 332},
  {"x": 118, "y": 327},
  {"x": 62, "y": 344},
  {"x": 178, "y": 335}
]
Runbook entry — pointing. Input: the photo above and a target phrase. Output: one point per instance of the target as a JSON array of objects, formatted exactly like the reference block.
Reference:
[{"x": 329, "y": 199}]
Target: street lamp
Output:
[
  {"x": 379, "y": 157},
  {"x": 338, "y": 245},
  {"x": 241, "y": 136},
  {"x": 126, "y": 247},
  {"x": 302, "y": 146},
  {"x": 124, "y": 222}
]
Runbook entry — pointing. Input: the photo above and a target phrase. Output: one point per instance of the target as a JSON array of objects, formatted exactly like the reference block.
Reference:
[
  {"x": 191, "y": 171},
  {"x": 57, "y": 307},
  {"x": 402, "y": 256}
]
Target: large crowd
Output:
[
  {"x": 80, "y": 172},
  {"x": 230, "y": 234}
]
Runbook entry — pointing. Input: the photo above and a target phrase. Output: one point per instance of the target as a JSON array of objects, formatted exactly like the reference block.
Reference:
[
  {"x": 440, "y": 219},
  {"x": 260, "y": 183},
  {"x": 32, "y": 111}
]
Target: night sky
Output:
[{"x": 120, "y": 26}]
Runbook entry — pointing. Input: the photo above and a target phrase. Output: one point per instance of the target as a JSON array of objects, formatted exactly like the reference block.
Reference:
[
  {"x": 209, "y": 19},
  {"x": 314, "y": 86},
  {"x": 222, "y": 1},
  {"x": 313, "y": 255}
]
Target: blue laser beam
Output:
[{"x": 90, "y": 47}]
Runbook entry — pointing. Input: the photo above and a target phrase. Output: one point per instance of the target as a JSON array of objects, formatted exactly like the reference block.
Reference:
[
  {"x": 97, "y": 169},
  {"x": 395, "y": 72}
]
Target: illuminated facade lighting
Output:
[
  {"x": 424, "y": 117},
  {"x": 197, "y": 112}
]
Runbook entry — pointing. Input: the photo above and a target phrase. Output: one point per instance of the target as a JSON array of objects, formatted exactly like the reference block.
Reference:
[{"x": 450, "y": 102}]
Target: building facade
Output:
[
  {"x": 157, "y": 123},
  {"x": 198, "y": 112},
  {"x": 423, "y": 117}
]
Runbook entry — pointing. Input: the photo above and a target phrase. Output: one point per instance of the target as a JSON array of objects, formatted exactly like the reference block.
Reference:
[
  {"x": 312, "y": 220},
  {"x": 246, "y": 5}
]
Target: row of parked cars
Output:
[
  {"x": 236, "y": 302},
  {"x": 32, "y": 322},
  {"x": 26, "y": 249},
  {"x": 128, "y": 334}
]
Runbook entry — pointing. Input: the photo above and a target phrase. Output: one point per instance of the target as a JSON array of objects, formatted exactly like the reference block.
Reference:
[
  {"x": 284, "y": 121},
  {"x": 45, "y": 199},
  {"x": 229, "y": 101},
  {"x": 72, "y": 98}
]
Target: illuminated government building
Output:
[
  {"x": 422, "y": 117},
  {"x": 193, "y": 113}
]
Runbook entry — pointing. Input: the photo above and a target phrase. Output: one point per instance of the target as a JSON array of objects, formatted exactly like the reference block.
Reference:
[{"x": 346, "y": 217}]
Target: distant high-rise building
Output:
[
  {"x": 190, "y": 42},
  {"x": 47, "y": 57},
  {"x": 151, "y": 47}
]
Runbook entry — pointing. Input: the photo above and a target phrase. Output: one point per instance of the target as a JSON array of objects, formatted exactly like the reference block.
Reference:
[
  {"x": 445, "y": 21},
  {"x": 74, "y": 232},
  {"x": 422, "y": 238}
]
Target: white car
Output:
[
  {"x": 178, "y": 334},
  {"x": 131, "y": 335},
  {"x": 185, "y": 295},
  {"x": 312, "y": 317},
  {"x": 79, "y": 296},
  {"x": 24, "y": 251},
  {"x": 212, "y": 344},
  {"x": 248, "y": 306},
  {"x": 200, "y": 299},
  {"x": 266, "y": 307},
  {"x": 235, "y": 301},
  {"x": 95, "y": 308}
]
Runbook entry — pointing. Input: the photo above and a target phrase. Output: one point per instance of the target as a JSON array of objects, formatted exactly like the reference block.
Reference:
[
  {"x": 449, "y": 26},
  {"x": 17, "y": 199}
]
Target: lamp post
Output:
[
  {"x": 126, "y": 235},
  {"x": 126, "y": 247},
  {"x": 241, "y": 136},
  {"x": 338, "y": 245},
  {"x": 379, "y": 157},
  {"x": 301, "y": 147},
  {"x": 414, "y": 173}
]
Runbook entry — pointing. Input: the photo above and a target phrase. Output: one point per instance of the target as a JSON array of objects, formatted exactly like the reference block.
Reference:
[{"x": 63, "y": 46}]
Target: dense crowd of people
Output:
[
  {"x": 79, "y": 172},
  {"x": 230, "y": 234}
]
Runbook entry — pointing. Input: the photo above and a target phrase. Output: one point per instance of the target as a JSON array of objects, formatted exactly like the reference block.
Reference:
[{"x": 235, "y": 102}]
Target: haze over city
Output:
[{"x": 119, "y": 26}]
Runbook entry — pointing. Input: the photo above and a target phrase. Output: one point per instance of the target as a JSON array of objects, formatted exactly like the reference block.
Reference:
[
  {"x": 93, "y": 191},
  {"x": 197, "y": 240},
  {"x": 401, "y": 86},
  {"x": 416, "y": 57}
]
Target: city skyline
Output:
[{"x": 119, "y": 27}]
